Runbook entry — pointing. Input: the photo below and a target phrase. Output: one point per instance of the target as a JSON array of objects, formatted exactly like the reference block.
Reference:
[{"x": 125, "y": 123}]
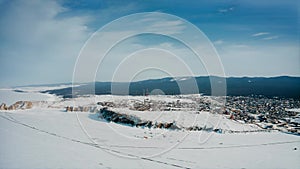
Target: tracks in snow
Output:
[{"x": 8, "y": 117}]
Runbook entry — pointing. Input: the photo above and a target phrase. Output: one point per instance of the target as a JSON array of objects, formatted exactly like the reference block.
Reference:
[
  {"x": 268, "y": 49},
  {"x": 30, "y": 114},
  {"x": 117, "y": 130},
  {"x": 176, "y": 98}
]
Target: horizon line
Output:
[{"x": 227, "y": 77}]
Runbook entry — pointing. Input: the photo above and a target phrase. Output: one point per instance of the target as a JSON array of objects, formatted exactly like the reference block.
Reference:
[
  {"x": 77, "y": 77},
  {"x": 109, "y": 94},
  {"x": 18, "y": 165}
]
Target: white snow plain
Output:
[
  {"x": 49, "y": 137},
  {"x": 9, "y": 96}
]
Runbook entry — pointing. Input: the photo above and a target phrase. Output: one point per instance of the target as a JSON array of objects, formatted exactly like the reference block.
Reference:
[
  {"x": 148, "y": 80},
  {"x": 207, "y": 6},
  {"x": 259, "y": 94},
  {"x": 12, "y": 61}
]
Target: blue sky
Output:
[{"x": 40, "y": 39}]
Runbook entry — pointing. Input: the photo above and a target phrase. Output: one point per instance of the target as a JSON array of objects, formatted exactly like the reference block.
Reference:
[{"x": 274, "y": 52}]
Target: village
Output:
[{"x": 267, "y": 113}]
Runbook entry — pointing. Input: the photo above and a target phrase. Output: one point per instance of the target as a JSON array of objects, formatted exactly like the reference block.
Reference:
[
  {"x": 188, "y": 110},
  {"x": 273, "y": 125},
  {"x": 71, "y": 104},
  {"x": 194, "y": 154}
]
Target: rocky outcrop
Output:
[
  {"x": 3, "y": 106},
  {"x": 119, "y": 118},
  {"x": 107, "y": 104},
  {"x": 81, "y": 109},
  {"x": 166, "y": 125},
  {"x": 133, "y": 121},
  {"x": 18, "y": 105},
  {"x": 21, "y": 105}
]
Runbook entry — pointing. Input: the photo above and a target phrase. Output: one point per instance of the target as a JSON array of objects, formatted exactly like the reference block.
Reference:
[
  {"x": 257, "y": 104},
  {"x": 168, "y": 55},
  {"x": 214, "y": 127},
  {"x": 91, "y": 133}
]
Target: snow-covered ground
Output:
[
  {"x": 9, "y": 96},
  {"x": 49, "y": 137},
  {"x": 294, "y": 110},
  {"x": 12, "y": 95}
]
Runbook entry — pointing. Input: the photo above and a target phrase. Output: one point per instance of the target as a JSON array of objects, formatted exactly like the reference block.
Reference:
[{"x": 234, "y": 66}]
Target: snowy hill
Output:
[{"x": 46, "y": 136}]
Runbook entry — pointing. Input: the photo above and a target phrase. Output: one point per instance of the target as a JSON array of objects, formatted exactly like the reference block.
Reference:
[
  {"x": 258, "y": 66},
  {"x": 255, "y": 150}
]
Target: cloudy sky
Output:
[{"x": 40, "y": 40}]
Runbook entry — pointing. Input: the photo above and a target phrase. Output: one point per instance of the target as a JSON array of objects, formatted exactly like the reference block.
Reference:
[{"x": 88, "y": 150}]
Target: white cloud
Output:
[
  {"x": 260, "y": 34},
  {"x": 167, "y": 26},
  {"x": 240, "y": 46},
  {"x": 271, "y": 38},
  {"x": 43, "y": 41},
  {"x": 218, "y": 42}
]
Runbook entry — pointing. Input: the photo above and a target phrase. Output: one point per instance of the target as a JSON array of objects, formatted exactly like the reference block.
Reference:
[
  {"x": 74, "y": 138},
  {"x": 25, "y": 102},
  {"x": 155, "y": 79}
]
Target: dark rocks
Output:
[
  {"x": 132, "y": 120},
  {"x": 69, "y": 108},
  {"x": 194, "y": 128},
  {"x": 143, "y": 124},
  {"x": 107, "y": 104},
  {"x": 159, "y": 125},
  {"x": 166, "y": 125},
  {"x": 218, "y": 130},
  {"x": 119, "y": 118},
  {"x": 123, "y": 120}
]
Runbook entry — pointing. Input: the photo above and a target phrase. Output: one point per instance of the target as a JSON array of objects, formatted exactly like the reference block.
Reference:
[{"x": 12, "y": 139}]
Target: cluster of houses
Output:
[
  {"x": 268, "y": 113},
  {"x": 161, "y": 105}
]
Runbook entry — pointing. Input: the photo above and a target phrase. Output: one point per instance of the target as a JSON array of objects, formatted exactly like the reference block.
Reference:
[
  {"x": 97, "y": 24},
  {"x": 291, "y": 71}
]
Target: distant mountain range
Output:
[{"x": 282, "y": 86}]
